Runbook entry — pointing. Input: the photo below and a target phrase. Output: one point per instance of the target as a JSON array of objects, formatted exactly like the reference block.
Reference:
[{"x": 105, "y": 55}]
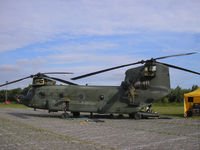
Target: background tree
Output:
[
  {"x": 194, "y": 87},
  {"x": 2, "y": 95},
  {"x": 25, "y": 90},
  {"x": 177, "y": 94},
  {"x": 13, "y": 93}
]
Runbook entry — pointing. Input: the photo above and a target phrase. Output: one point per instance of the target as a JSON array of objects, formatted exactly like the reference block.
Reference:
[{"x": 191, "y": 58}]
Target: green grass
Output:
[
  {"x": 12, "y": 105},
  {"x": 171, "y": 109},
  {"x": 174, "y": 110}
]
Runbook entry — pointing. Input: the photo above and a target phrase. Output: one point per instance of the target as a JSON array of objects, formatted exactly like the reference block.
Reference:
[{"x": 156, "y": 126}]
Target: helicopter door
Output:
[
  {"x": 133, "y": 96},
  {"x": 66, "y": 108}
]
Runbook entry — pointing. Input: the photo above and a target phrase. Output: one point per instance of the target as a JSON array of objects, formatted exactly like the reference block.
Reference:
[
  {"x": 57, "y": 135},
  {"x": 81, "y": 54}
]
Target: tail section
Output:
[{"x": 147, "y": 83}]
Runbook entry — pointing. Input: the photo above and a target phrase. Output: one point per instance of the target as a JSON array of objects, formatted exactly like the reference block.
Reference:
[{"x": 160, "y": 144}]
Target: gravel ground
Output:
[{"x": 27, "y": 129}]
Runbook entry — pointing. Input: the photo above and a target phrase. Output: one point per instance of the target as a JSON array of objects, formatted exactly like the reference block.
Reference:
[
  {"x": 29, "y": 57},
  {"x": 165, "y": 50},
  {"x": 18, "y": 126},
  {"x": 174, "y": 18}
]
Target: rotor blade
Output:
[
  {"x": 61, "y": 80},
  {"x": 15, "y": 81},
  {"x": 180, "y": 68},
  {"x": 139, "y": 62},
  {"x": 175, "y": 55},
  {"x": 109, "y": 69},
  {"x": 57, "y": 73}
]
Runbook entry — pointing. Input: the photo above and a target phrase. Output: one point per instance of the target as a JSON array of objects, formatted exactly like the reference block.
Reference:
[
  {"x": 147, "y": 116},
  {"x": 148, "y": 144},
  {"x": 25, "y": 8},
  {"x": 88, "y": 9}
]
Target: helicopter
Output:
[{"x": 142, "y": 86}]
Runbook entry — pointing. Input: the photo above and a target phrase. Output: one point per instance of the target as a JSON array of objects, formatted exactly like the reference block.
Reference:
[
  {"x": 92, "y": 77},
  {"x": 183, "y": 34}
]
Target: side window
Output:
[
  {"x": 190, "y": 99},
  {"x": 101, "y": 97},
  {"x": 30, "y": 92}
]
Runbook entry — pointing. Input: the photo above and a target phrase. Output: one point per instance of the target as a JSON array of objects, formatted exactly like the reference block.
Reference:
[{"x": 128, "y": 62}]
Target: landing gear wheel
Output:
[
  {"x": 131, "y": 116},
  {"x": 137, "y": 116},
  {"x": 120, "y": 116},
  {"x": 111, "y": 116},
  {"x": 91, "y": 115},
  {"x": 76, "y": 114},
  {"x": 65, "y": 116}
]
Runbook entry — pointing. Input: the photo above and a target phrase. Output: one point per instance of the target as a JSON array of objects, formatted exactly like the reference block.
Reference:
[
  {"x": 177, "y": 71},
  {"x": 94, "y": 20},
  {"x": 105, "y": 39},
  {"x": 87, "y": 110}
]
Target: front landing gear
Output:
[{"x": 65, "y": 115}]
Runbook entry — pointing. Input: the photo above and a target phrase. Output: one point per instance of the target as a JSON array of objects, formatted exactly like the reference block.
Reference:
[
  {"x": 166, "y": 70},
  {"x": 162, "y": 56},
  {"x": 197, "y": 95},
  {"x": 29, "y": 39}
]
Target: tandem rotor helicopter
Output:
[{"x": 141, "y": 87}]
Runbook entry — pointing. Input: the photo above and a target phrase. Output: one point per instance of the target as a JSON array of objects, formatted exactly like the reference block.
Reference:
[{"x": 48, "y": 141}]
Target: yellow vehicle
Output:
[{"x": 192, "y": 103}]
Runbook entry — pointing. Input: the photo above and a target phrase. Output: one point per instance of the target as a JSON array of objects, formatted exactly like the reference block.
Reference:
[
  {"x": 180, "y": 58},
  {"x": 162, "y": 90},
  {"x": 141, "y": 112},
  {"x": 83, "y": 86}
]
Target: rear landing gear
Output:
[
  {"x": 76, "y": 114},
  {"x": 143, "y": 115},
  {"x": 135, "y": 116}
]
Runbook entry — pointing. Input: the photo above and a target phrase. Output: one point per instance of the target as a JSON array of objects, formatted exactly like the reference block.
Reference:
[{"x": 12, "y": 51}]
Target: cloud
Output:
[
  {"x": 30, "y": 63},
  {"x": 78, "y": 47},
  {"x": 26, "y": 22},
  {"x": 21, "y": 68},
  {"x": 88, "y": 35},
  {"x": 8, "y": 68},
  {"x": 79, "y": 64},
  {"x": 92, "y": 59},
  {"x": 184, "y": 80}
]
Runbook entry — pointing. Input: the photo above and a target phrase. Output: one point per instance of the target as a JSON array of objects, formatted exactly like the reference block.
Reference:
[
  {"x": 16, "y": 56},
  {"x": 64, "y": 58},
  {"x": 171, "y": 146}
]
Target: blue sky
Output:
[{"x": 87, "y": 35}]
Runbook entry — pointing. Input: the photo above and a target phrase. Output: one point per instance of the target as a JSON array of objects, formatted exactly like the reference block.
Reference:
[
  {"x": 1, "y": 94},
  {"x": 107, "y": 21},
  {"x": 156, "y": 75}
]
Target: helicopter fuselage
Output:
[
  {"x": 96, "y": 99},
  {"x": 139, "y": 89}
]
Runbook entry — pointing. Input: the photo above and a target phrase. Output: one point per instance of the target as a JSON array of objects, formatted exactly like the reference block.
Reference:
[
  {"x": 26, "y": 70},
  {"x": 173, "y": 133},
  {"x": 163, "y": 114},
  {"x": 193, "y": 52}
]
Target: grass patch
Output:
[
  {"x": 171, "y": 109},
  {"x": 168, "y": 105},
  {"x": 12, "y": 105}
]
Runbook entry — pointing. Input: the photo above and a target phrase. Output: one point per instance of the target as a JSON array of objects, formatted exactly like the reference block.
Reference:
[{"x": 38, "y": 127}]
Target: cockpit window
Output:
[{"x": 30, "y": 92}]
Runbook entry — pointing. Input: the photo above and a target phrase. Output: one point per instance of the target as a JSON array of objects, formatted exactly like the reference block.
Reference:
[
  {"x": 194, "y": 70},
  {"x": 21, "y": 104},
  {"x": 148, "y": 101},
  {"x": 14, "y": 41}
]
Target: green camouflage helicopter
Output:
[{"x": 141, "y": 87}]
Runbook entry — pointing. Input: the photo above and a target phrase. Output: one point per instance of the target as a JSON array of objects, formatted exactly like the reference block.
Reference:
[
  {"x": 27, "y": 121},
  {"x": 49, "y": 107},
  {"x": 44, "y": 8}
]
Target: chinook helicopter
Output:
[{"x": 141, "y": 87}]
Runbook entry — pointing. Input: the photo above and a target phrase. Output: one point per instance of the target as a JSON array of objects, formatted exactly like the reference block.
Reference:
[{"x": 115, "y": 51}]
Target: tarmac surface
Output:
[{"x": 26, "y": 129}]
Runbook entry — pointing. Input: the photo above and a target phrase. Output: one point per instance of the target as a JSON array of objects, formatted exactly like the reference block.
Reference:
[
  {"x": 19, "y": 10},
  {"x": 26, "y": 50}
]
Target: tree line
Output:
[
  {"x": 13, "y": 93},
  {"x": 176, "y": 95}
]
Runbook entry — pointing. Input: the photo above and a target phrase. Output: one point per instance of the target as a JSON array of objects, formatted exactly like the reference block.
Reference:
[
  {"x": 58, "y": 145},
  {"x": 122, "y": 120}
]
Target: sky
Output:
[{"x": 82, "y": 36}]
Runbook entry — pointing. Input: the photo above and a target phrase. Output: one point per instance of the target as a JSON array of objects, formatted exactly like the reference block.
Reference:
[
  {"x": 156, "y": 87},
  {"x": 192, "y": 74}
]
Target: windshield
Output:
[{"x": 30, "y": 92}]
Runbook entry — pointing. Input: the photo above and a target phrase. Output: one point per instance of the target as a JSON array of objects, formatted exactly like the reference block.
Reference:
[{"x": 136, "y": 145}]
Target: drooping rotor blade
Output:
[
  {"x": 57, "y": 73},
  {"x": 61, "y": 80},
  {"x": 109, "y": 69},
  {"x": 180, "y": 68},
  {"x": 15, "y": 81},
  {"x": 175, "y": 55}
]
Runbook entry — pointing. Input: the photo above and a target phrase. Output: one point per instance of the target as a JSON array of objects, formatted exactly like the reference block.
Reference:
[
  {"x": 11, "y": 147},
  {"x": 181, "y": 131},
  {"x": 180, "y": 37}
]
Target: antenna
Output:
[{"x": 6, "y": 95}]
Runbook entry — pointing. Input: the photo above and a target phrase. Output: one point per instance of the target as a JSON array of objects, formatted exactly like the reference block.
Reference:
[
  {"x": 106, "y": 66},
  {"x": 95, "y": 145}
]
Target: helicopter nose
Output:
[
  {"x": 20, "y": 99},
  {"x": 25, "y": 100}
]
